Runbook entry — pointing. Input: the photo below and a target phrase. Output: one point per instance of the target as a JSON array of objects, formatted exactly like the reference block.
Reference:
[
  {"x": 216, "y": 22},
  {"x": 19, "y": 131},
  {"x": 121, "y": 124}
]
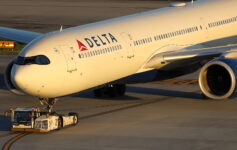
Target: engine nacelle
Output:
[
  {"x": 217, "y": 79},
  {"x": 8, "y": 82}
]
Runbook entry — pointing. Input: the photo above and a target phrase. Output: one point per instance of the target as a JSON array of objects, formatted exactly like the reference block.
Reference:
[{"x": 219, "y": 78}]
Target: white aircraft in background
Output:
[{"x": 107, "y": 55}]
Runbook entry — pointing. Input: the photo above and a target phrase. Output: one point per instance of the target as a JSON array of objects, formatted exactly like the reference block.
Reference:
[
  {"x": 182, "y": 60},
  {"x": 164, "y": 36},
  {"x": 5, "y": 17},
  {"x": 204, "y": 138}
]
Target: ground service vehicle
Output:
[{"x": 35, "y": 120}]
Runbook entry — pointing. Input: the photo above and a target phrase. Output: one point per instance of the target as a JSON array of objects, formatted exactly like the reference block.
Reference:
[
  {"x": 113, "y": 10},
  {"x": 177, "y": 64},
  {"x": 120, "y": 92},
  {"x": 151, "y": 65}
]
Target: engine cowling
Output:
[
  {"x": 8, "y": 82},
  {"x": 217, "y": 79}
]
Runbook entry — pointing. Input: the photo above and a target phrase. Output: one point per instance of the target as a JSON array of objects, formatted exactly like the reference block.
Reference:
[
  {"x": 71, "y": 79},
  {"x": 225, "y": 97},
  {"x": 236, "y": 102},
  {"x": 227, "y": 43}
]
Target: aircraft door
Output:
[
  {"x": 70, "y": 57},
  {"x": 204, "y": 27},
  {"x": 128, "y": 41}
]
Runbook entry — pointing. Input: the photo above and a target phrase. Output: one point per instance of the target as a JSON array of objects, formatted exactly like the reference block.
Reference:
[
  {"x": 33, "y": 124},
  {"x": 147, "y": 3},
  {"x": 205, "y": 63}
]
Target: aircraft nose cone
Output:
[{"x": 18, "y": 78}]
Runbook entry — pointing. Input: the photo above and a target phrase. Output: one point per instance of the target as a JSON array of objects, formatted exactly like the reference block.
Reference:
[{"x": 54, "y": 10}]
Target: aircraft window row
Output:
[
  {"x": 100, "y": 51},
  {"x": 222, "y": 22},
  {"x": 142, "y": 41},
  {"x": 176, "y": 33}
]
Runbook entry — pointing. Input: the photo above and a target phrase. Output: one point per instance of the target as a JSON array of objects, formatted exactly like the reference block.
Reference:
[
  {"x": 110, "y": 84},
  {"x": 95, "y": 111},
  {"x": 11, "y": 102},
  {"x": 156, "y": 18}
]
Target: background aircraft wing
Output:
[
  {"x": 179, "y": 58},
  {"x": 18, "y": 35}
]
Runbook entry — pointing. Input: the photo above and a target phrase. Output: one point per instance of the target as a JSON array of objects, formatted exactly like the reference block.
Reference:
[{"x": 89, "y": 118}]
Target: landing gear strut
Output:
[
  {"x": 49, "y": 103},
  {"x": 111, "y": 90}
]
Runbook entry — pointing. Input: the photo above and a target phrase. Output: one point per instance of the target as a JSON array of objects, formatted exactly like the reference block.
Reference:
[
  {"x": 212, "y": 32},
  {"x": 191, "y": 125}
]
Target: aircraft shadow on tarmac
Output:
[
  {"x": 5, "y": 123},
  {"x": 89, "y": 94},
  {"x": 165, "y": 92},
  {"x": 142, "y": 90}
]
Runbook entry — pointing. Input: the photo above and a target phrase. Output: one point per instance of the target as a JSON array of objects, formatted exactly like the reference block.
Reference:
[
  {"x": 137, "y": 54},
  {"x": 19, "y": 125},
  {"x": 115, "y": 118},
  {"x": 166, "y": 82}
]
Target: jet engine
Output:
[
  {"x": 217, "y": 79},
  {"x": 7, "y": 79}
]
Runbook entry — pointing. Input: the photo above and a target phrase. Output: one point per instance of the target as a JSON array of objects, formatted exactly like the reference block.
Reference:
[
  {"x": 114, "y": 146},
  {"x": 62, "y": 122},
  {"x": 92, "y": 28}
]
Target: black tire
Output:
[
  {"x": 76, "y": 117},
  {"x": 121, "y": 89},
  {"x": 60, "y": 122},
  {"x": 98, "y": 93},
  {"x": 112, "y": 92},
  {"x": 71, "y": 113}
]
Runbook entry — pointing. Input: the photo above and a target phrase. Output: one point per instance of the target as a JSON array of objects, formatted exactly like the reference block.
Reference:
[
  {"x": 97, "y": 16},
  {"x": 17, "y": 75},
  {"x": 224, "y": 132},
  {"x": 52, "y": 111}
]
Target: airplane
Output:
[{"x": 149, "y": 46}]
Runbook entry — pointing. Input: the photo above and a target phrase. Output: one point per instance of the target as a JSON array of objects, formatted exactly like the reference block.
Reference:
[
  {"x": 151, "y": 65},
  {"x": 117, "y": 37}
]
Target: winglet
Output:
[{"x": 61, "y": 28}]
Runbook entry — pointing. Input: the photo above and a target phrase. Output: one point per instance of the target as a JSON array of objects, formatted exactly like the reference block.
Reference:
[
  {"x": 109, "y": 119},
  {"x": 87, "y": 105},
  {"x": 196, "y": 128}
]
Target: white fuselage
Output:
[{"x": 91, "y": 55}]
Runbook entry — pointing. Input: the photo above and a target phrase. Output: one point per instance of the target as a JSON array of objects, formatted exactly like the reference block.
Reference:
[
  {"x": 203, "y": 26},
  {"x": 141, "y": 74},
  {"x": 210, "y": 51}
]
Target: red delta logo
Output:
[
  {"x": 96, "y": 41},
  {"x": 81, "y": 46}
]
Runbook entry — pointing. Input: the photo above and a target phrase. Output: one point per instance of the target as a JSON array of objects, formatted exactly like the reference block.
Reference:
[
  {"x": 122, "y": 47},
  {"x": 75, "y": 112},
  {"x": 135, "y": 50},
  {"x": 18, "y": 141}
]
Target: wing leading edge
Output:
[
  {"x": 178, "y": 57},
  {"x": 21, "y": 36}
]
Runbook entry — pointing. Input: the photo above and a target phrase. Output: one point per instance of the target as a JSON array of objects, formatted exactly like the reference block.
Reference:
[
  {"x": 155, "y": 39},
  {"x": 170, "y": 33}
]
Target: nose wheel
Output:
[{"x": 49, "y": 103}]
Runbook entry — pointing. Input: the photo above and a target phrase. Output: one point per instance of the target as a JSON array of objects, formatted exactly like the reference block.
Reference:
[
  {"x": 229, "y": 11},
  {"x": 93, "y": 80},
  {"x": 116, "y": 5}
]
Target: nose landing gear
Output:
[{"x": 49, "y": 102}]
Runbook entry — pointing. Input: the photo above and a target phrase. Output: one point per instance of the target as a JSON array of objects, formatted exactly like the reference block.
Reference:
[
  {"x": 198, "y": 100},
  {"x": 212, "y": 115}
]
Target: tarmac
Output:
[
  {"x": 167, "y": 115},
  {"x": 49, "y": 15}
]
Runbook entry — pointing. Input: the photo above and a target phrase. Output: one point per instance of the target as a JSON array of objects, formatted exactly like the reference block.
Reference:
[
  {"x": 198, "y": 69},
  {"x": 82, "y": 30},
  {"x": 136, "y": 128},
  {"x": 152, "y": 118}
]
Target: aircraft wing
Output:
[
  {"x": 179, "y": 58},
  {"x": 18, "y": 35}
]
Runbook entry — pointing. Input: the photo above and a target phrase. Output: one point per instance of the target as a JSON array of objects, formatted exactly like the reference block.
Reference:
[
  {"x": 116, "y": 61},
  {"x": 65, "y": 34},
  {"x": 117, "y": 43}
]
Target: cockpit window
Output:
[
  {"x": 42, "y": 60},
  {"x": 39, "y": 60}
]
